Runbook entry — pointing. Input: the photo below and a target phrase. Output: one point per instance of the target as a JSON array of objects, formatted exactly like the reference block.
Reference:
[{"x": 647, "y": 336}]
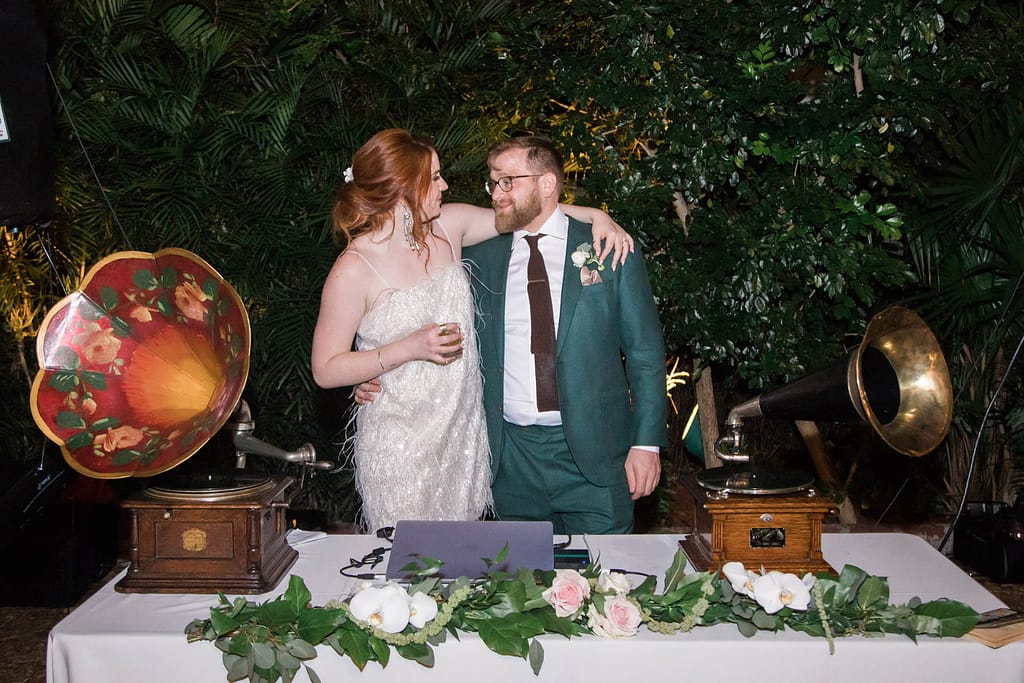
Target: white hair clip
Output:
[{"x": 348, "y": 175}]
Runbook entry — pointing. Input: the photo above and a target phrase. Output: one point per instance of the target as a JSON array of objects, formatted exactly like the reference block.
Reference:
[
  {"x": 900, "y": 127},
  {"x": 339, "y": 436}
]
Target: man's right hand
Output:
[{"x": 367, "y": 391}]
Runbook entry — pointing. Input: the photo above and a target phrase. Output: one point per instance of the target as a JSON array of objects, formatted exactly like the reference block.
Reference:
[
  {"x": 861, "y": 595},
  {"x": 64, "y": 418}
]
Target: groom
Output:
[{"x": 571, "y": 354}]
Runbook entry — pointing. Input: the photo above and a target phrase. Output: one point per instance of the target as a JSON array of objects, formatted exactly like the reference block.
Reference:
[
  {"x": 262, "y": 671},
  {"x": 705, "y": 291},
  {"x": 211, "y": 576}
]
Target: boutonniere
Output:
[{"x": 585, "y": 258}]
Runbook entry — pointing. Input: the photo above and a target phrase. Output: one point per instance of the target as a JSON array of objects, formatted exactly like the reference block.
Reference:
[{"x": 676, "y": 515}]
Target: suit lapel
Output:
[
  {"x": 571, "y": 285},
  {"x": 498, "y": 284}
]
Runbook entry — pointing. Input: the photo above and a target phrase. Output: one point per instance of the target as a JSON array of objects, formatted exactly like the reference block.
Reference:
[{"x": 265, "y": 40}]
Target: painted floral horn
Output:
[{"x": 142, "y": 364}]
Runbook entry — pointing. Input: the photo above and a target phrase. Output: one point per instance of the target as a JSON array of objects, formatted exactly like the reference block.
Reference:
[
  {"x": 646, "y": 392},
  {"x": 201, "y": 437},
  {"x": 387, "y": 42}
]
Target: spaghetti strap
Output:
[
  {"x": 376, "y": 272},
  {"x": 446, "y": 237}
]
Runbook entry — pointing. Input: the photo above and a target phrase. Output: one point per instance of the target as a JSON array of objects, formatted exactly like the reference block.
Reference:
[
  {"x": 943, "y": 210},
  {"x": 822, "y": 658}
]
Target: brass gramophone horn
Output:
[{"x": 896, "y": 380}]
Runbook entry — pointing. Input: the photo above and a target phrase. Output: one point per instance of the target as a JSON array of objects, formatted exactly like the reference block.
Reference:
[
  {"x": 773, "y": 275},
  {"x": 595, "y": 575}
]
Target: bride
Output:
[{"x": 400, "y": 292}]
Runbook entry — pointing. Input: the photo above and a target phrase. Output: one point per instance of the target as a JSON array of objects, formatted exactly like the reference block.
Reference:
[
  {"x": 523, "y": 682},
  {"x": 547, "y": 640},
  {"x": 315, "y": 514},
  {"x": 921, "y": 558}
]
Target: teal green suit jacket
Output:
[{"x": 607, "y": 406}]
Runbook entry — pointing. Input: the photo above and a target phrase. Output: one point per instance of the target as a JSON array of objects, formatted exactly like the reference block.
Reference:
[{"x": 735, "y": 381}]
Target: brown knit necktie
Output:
[{"x": 542, "y": 327}]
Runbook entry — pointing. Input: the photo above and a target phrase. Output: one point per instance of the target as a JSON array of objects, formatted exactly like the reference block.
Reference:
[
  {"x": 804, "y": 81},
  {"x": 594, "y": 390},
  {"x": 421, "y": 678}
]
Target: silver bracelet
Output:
[{"x": 380, "y": 362}]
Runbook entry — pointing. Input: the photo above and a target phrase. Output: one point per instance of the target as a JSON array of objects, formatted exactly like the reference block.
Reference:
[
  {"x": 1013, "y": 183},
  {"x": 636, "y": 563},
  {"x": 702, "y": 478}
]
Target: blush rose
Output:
[
  {"x": 621, "y": 618},
  {"x": 569, "y": 590}
]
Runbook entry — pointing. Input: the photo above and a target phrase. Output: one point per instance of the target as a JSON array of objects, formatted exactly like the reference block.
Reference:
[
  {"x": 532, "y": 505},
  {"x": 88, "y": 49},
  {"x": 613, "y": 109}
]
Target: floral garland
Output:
[{"x": 273, "y": 640}]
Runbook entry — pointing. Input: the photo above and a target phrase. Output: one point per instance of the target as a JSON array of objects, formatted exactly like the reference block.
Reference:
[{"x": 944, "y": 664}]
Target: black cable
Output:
[
  {"x": 47, "y": 246},
  {"x": 630, "y": 571},
  {"x": 564, "y": 544},
  {"x": 95, "y": 174},
  {"x": 977, "y": 443},
  {"x": 372, "y": 558}
]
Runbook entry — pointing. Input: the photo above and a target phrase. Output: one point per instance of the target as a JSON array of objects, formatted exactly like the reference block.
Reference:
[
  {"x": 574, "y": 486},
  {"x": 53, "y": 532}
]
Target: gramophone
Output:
[
  {"x": 896, "y": 380},
  {"x": 139, "y": 369}
]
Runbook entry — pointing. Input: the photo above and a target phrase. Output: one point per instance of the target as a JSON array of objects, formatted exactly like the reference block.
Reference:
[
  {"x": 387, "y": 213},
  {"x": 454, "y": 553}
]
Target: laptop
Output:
[{"x": 461, "y": 546}]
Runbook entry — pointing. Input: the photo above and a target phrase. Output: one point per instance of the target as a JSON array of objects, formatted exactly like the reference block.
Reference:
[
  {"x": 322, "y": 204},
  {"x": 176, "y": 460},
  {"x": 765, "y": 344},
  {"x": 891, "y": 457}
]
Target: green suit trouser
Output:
[{"x": 539, "y": 480}]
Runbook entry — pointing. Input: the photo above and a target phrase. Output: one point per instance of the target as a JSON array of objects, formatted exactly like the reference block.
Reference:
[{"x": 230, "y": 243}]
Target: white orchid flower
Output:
[
  {"x": 386, "y": 607},
  {"x": 422, "y": 609},
  {"x": 776, "y": 590},
  {"x": 741, "y": 578}
]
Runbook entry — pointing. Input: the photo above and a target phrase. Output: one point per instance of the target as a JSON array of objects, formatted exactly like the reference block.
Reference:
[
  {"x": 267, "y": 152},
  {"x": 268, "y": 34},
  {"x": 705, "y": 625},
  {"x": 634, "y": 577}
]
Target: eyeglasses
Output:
[{"x": 505, "y": 182}]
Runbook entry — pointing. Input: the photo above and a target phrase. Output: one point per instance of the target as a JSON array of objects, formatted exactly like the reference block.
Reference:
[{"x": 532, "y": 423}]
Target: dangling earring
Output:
[{"x": 407, "y": 222}]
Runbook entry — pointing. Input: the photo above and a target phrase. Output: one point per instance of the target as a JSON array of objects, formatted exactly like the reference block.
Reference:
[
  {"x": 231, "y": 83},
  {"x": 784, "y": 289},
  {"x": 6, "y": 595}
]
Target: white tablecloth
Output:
[{"x": 115, "y": 637}]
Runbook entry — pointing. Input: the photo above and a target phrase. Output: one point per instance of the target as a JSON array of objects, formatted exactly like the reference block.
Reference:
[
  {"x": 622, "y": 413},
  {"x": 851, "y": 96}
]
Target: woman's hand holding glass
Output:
[{"x": 439, "y": 343}]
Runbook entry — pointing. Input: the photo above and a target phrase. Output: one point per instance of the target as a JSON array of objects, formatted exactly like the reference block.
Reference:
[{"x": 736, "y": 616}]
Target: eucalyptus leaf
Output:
[
  {"x": 536, "y": 656},
  {"x": 746, "y": 628},
  {"x": 263, "y": 655},
  {"x": 287, "y": 662},
  {"x": 237, "y": 667},
  {"x": 300, "y": 648},
  {"x": 763, "y": 620}
]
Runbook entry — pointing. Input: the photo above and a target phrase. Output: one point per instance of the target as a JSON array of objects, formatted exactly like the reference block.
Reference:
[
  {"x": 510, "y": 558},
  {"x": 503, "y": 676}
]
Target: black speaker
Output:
[
  {"x": 26, "y": 156},
  {"x": 989, "y": 537},
  {"x": 58, "y": 534}
]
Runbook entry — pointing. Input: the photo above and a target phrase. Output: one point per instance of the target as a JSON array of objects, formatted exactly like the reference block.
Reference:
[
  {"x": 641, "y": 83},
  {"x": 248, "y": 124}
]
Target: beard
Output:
[{"x": 517, "y": 216}]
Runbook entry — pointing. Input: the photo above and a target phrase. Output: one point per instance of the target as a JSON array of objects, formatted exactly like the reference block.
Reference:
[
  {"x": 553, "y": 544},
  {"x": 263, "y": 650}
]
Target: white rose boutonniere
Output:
[{"x": 585, "y": 258}]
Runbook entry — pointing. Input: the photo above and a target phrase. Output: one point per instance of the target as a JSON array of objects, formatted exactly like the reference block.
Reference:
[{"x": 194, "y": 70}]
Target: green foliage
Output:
[
  {"x": 732, "y": 139},
  {"x": 773, "y": 201},
  {"x": 273, "y": 640},
  {"x": 223, "y": 128},
  {"x": 970, "y": 256}
]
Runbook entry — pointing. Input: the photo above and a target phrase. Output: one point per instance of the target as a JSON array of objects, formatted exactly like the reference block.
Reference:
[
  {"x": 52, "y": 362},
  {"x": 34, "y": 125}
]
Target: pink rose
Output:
[
  {"x": 121, "y": 437},
  {"x": 190, "y": 300},
  {"x": 100, "y": 346},
  {"x": 621, "y": 618},
  {"x": 89, "y": 406},
  {"x": 568, "y": 592}
]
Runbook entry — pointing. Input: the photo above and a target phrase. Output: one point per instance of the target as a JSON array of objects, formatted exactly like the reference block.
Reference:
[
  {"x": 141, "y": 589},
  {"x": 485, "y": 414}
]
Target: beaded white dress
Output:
[{"x": 420, "y": 449}]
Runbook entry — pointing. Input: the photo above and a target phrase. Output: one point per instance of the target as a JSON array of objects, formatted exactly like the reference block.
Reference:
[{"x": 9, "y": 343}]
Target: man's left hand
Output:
[{"x": 643, "y": 470}]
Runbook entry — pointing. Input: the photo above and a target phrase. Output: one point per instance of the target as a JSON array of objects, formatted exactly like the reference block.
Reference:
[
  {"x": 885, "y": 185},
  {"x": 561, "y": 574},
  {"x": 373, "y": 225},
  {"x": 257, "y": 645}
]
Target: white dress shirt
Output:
[{"x": 520, "y": 379}]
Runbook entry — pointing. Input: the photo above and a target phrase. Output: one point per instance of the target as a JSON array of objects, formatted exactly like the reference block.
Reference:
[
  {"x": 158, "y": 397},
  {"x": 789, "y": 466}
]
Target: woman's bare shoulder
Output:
[{"x": 351, "y": 267}]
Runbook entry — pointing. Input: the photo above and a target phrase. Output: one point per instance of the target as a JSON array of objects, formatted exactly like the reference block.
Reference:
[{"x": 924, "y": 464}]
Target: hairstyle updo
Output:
[{"x": 392, "y": 167}]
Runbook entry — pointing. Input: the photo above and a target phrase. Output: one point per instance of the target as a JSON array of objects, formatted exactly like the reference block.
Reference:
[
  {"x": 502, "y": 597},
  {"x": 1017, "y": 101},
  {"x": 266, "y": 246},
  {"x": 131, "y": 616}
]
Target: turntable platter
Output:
[
  {"x": 755, "y": 480},
  {"x": 209, "y": 486}
]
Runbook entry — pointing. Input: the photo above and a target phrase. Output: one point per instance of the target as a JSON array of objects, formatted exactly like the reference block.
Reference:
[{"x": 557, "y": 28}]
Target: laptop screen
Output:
[{"x": 461, "y": 546}]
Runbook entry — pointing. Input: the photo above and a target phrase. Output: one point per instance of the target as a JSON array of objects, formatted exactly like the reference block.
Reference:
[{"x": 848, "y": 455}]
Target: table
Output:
[{"x": 118, "y": 637}]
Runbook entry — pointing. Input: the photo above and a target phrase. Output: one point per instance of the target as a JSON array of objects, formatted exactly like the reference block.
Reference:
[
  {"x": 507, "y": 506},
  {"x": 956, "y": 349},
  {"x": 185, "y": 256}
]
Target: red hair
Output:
[{"x": 392, "y": 167}]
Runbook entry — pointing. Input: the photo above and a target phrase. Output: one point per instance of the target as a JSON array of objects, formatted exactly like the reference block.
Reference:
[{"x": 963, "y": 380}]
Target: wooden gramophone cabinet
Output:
[{"x": 211, "y": 541}]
